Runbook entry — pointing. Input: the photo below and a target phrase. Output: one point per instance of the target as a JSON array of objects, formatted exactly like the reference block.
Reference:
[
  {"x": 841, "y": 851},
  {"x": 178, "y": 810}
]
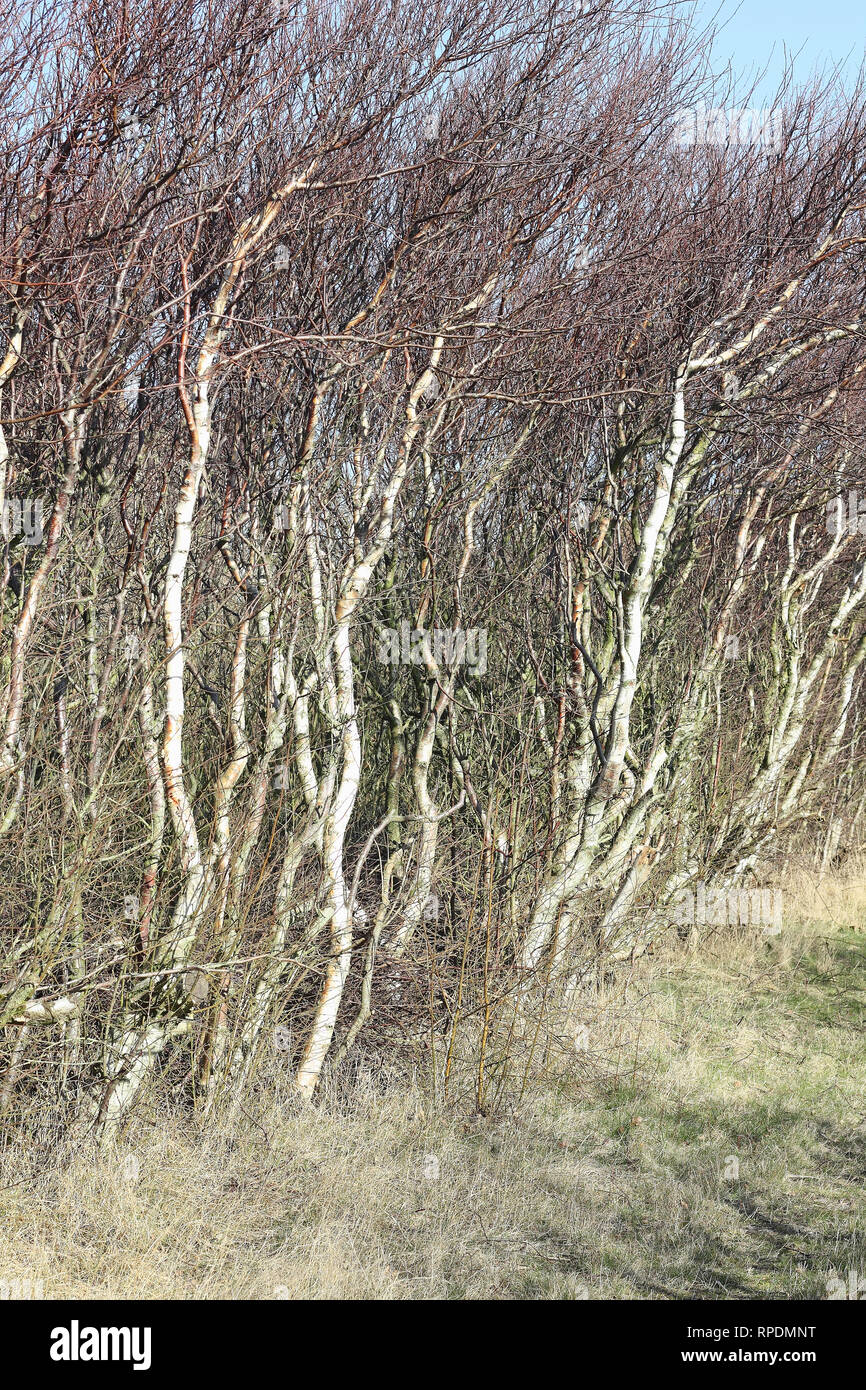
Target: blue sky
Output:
[{"x": 759, "y": 33}]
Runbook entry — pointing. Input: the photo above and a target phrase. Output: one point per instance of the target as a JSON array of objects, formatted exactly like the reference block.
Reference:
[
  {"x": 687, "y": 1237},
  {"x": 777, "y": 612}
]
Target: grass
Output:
[{"x": 708, "y": 1144}]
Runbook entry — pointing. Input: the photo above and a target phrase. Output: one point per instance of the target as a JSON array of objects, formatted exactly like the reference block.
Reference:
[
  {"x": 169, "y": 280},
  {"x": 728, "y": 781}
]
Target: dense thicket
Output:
[{"x": 440, "y": 566}]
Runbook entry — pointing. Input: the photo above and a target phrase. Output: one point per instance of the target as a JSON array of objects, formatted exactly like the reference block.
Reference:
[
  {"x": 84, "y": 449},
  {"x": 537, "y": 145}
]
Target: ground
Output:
[{"x": 707, "y": 1142}]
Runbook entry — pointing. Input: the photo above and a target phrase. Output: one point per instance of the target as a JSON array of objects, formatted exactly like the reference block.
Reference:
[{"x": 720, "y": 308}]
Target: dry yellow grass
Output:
[{"x": 708, "y": 1143}]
